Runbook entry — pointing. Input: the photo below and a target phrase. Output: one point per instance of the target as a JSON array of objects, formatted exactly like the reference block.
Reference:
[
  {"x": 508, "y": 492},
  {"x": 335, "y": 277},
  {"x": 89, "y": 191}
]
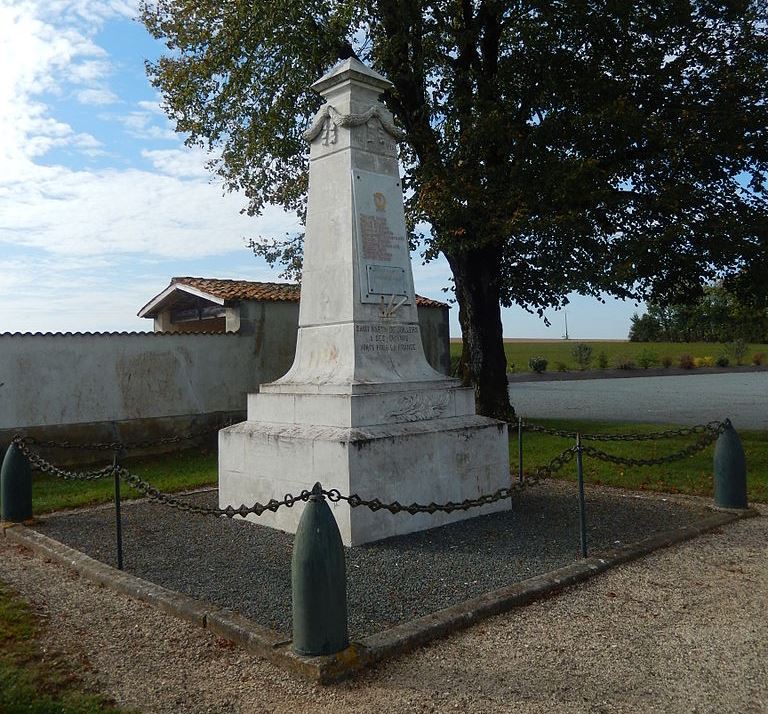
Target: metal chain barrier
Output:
[
  {"x": 708, "y": 433},
  {"x": 374, "y": 504},
  {"x": 47, "y": 467},
  {"x": 702, "y": 443},
  {"x": 715, "y": 427},
  {"x": 180, "y": 504},
  {"x": 119, "y": 445}
]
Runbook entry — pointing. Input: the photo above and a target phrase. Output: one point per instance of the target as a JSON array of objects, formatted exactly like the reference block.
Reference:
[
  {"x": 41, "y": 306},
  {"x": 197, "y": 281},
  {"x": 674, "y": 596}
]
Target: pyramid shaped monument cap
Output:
[{"x": 351, "y": 69}]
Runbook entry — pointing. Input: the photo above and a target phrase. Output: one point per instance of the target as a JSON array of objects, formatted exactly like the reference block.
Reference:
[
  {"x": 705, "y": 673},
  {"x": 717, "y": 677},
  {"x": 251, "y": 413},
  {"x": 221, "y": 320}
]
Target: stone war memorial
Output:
[{"x": 360, "y": 410}]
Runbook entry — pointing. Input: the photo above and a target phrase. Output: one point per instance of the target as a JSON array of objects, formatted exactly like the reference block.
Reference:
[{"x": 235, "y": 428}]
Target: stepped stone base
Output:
[{"x": 445, "y": 459}]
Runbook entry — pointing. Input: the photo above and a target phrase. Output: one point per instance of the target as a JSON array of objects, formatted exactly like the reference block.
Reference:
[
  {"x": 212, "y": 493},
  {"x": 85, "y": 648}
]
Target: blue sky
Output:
[{"x": 101, "y": 203}]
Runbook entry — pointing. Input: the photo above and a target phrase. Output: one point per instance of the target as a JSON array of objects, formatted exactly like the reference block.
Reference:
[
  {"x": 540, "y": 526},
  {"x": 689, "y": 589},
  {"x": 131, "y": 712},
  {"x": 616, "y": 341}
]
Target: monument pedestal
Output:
[
  {"x": 449, "y": 458},
  {"x": 360, "y": 410}
]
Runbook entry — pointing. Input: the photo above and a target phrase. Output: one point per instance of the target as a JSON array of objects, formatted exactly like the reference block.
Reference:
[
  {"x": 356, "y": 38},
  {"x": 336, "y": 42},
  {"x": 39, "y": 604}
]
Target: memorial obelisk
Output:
[{"x": 360, "y": 410}]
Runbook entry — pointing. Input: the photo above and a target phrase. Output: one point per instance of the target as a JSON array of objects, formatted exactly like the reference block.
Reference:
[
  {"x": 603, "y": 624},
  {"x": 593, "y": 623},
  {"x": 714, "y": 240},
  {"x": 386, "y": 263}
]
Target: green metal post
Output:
[
  {"x": 730, "y": 466},
  {"x": 318, "y": 582},
  {"x": 15, "y": 487},
  {"x": 118, "y": 516},
  {"x": 582, "y": 504}
]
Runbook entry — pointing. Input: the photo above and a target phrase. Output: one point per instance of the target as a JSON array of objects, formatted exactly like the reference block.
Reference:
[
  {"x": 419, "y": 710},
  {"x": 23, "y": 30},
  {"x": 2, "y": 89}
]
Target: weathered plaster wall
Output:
[
  {"x": 147, "y": 385},
  {"x": 48, "y": 379},
  {"x": 435, "y": 337}
]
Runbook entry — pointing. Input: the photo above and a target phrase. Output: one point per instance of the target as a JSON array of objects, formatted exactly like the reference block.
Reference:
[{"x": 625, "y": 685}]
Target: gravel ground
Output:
[
  {"x": 684, "y": 630},
  {"x": 246, "y": 567}
]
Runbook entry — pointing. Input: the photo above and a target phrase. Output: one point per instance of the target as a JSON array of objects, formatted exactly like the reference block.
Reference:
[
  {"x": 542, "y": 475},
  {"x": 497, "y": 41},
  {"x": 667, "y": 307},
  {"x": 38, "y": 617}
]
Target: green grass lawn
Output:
[
  {"x": 692, "y": 475},
  {"x": 170, "y": 472},
  {"x": 32, "y": 681},
  {"x": 519, "y": 353}
]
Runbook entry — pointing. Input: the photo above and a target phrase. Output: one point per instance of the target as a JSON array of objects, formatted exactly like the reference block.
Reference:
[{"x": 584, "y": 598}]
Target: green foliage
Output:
[
  {"x": 537, "y": 364},
  {"x": 737, "y": 350},
  {"x": 716, "y": 316},
  {"x": 602, "y": 360},
  {"x": 561, "y": 366},
  {"x": 686, "y": 361},
  {"x": 550, "y": 148},
  {"x": 520, "y": 352},
  {"x": 624, "y": 362},
  {"x": 647, "y": 358},
  {"x": 723, "y": 361},
  {"x": 582, "y": 353}
]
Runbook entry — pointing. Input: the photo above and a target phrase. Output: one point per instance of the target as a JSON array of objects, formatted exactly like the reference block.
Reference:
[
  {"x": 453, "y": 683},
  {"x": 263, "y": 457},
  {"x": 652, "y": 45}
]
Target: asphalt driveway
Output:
[{"x": 690, "y": 399}]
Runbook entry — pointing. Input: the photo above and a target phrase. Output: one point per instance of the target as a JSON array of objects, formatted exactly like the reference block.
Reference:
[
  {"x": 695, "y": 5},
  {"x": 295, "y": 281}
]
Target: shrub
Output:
[
  {"x": 737, "y": 350},
  {"x": 707, "y": 361},
  {"x": 758, "y": 359},
  {"x": 582, "y": 353},
  {"x": 666, "y": 361},
  {"x": 647, "y": 358},
  {"x": 686, "y": 361},
  {"x": 723, "y": 361},
  {"x": 511, "y": 367},
  {"x": 602, "y": 360},
  {"x": 538, "y": 364},
  {"x": 624, "y": 362},
  {"x": 561, "y": 366}
]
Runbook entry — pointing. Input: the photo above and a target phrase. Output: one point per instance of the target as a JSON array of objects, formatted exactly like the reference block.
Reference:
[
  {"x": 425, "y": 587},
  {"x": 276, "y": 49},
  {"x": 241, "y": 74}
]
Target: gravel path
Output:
[
  {"x": 246, "y": 567},
  {"x": 692, "y": 399},
  {"x": 684, "y": 630}
]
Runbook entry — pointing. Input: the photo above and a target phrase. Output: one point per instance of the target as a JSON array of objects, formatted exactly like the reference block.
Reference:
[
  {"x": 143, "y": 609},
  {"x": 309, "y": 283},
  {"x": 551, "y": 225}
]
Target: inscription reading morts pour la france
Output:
[{"x": 387, "y": 338}]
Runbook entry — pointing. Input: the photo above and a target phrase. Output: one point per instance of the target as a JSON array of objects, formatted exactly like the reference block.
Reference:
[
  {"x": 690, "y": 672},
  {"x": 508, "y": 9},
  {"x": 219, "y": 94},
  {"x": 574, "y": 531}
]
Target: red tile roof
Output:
[{"x": 249, "y": 290}]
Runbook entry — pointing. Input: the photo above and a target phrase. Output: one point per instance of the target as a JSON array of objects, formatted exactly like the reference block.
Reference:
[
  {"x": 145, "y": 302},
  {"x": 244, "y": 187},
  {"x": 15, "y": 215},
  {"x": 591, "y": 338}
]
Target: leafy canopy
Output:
[{"x": 593, "y": 145}]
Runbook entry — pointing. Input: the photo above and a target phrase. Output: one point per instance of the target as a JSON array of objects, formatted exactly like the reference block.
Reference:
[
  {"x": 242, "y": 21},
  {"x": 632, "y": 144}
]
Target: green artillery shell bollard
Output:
[
  {"x": 15, "y": 487},
  {"x": 730, "y": 470},
  {"x": 318, "y": 582}
]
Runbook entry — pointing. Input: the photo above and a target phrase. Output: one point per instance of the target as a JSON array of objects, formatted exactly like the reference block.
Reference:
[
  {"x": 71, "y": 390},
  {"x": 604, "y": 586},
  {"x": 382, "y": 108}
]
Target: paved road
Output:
[{"x": 676, "y": 400}]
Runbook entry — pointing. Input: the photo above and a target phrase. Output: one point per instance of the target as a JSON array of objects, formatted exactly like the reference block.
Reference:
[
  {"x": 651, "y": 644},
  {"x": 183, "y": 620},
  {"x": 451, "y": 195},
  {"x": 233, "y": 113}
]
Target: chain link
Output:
[
  {"x": 702, "y": 443},
  {"x": 713, "y": 427},
  {"x": 47, "y": 467},
  {"x": 180, "y": 504},
  {"x": 374, "y": 504},
  {"x": 708, "y": 433}
]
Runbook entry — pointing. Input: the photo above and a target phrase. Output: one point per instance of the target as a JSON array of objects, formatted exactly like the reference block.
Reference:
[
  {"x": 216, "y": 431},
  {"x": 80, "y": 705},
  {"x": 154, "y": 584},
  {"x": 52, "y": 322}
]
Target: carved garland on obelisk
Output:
[{"x": 329, "y": 119}]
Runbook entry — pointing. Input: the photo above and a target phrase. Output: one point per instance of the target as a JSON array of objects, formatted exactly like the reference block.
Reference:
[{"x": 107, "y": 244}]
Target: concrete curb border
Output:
[{"x": 275, "y": 646}]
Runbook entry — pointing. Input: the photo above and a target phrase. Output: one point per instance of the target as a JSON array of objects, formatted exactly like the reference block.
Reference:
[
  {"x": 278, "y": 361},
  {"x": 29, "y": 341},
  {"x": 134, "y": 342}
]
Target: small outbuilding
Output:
[{"x": 269, "y": 312}]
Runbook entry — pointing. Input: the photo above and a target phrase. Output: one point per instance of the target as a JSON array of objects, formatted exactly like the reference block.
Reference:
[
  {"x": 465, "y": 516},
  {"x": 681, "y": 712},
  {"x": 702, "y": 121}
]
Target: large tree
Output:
[
  {"x": 551, "y": 146},
  {"x": 717, "y": 316}
]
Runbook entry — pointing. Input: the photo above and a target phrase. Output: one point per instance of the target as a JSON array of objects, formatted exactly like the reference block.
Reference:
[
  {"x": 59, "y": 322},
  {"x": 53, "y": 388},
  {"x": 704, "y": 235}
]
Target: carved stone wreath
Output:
[
  {"x": 418, "y": 407},
  {"x": 328, "y": 115}
]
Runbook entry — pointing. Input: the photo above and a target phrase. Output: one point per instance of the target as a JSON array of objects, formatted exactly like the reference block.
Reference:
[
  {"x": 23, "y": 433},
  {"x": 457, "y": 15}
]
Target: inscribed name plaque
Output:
[
  {"x": 383, "y": 338},
  {"x": 382, "y": 243}
]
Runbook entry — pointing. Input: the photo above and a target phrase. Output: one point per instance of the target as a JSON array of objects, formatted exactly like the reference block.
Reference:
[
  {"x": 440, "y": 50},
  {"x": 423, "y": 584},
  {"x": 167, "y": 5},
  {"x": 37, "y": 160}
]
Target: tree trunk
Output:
[{"x": 476, "y": 278}]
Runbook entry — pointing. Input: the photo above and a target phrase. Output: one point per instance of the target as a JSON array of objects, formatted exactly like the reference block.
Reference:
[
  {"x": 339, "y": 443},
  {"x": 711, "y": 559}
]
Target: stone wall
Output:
[{"x": 136, "y": 386}]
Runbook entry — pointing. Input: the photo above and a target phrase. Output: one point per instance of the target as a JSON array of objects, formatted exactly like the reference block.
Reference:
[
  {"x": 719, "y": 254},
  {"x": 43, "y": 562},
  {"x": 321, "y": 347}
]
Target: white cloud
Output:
[
  {"x": 181, "y": 163},
  {"x": 151, "y": 106},
  {"x": 110, "y": 212},
  {"x": 97, "y": 96},
  {"x": 73, "y": 239},
  {"x": 140, "y": 125}
]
